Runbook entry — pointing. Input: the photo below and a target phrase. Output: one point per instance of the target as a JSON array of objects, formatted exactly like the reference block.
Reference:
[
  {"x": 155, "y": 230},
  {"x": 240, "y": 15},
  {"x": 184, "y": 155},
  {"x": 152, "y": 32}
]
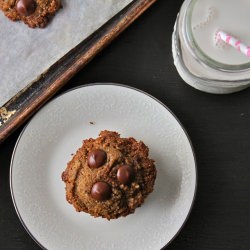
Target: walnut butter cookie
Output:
[
  {"x": 34, "y": 13},
  {"x": 109, "y": 176}
]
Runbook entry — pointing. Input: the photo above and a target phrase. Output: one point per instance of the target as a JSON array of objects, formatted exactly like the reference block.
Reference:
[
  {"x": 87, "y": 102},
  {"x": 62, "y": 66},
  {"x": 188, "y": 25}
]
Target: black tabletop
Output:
[{"x": 218, "y": 125}]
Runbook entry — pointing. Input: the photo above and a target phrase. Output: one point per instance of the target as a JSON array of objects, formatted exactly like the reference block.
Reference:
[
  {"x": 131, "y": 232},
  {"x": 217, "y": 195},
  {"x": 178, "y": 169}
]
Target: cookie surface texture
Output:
[{"x": 109, "y": 176}]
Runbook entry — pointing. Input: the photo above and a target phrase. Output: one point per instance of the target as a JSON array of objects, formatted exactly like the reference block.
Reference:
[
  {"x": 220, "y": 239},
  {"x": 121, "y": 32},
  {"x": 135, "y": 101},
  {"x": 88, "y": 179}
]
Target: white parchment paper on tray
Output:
[{"x": 25, "y": 53}]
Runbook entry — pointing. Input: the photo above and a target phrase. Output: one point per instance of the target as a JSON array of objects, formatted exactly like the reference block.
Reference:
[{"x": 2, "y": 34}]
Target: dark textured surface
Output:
[{"x": 219, "y": 127}]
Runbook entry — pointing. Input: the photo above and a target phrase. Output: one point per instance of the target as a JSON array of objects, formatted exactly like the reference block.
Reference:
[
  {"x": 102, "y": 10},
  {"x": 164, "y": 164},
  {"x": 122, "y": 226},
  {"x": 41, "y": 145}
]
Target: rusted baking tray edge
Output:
[{"x": 19, "y": 108}]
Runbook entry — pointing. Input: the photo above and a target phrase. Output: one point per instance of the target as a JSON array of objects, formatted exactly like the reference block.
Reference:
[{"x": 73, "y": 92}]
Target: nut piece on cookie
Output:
[
  {"x": 109, "y": 176},
  {"x": 34, "y": 13}
]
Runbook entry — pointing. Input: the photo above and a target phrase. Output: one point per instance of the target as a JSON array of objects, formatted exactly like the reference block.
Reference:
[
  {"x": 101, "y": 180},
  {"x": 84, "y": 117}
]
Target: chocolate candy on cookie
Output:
[
  {"x": 96, "y": 158},
  {"x": 25, "y": 7},
  {"x": 101, "y": 191},
  {"x": 125, "y": 174}
]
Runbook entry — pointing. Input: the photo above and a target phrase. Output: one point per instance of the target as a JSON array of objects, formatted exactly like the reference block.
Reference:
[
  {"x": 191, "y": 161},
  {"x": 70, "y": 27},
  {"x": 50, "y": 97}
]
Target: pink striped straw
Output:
[{"x": 234, "y": 42}]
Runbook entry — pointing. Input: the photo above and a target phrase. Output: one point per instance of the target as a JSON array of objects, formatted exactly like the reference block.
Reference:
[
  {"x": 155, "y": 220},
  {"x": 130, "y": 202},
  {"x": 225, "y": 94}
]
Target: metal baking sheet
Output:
[
  {"x": 33, "y": 87},
  {"x": 26, "y": 52}
]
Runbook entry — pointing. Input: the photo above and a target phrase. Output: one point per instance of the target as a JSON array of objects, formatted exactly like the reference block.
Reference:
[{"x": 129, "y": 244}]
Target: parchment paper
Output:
[{"x": 25, "y": 53}]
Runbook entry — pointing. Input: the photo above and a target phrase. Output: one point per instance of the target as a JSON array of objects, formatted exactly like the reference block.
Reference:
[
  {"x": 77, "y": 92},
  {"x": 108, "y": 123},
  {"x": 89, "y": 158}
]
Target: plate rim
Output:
[{"x": 116, "y": 85}]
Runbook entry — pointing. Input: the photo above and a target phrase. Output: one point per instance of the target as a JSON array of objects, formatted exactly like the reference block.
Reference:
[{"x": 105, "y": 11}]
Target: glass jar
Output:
[{"x": 202, "y": 62}]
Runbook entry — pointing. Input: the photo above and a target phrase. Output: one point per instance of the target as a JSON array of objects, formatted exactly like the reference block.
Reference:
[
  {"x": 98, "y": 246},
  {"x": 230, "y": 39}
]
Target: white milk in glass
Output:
[
  {"x": 231, "y": 16},
  {"x": 203, "y": 61}
]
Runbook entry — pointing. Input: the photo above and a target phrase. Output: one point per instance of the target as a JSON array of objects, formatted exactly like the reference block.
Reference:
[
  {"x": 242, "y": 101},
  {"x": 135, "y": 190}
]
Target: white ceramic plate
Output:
[{"x": 56, "y": 131}]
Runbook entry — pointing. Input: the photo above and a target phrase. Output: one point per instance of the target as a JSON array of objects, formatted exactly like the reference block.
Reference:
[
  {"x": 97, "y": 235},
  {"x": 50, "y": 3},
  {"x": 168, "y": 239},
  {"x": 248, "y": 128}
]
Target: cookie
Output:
[
  {"x": 109, "y": 176},
  {"x": 34, "y": 13}
]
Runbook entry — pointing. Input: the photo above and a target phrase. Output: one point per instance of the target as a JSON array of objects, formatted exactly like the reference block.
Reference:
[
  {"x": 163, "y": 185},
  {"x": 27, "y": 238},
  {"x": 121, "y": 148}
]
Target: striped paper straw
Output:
[{"x": 234, "y": 42}]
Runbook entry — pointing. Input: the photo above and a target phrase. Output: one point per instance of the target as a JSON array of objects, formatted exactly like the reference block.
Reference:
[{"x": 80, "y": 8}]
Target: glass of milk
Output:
[{"x": 204, "y": 61}]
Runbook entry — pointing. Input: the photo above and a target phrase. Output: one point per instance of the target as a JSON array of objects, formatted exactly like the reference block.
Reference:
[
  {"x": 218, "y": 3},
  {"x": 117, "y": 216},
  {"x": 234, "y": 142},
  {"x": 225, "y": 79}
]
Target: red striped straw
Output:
[{"x": 234, "y": 42}]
